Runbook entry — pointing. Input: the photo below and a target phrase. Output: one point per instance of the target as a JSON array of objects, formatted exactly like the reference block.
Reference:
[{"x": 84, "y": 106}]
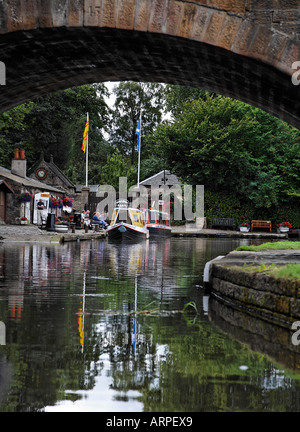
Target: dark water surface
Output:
[{"x": 92, "y": 326}]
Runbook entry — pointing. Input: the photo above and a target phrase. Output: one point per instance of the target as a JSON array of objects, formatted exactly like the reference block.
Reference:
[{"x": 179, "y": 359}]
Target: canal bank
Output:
[
  {"x": 32, "y": 233},
  {"x": 190, "y": 230},
  {"x": 257, "y": 292}
]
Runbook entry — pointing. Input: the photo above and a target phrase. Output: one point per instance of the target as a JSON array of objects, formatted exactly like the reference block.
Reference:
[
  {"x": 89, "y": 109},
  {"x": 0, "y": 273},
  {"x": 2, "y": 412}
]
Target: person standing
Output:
[{"x": 40, "y": 211}]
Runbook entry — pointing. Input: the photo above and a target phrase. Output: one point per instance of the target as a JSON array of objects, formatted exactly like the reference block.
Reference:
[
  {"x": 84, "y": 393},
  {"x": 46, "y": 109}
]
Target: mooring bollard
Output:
[{"x": 86, "y": 228}]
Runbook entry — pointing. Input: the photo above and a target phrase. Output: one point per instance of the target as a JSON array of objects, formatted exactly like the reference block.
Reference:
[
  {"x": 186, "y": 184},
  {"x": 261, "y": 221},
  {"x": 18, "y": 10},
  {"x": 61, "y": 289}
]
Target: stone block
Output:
[
  {"x": 75, "y": 15},
  {"x": 201, "y": 21},
  {"x": 295, "y": 307},
  {"x": 277, "y": 46},
  {"x": 261, "y": 41},
  {"x": 29, "y": 14},
  {"x": 125, "y": 15},
  {"x": 229, "y": 31},
  {"x": 14, "y": 15},
  {"x": 244, "y": 37},
  {"x": 282, "y": 305},
  {"x": 187, "y": 20},
  {"x": 232, "y": 6},
  {"x": 44, "y": 14},
  {"x": 158, "y": 16},
  {"x": 214, "y": 27},
  {"x": 92, "y": 12},
  {"x": 174, "y": 17},
  {"x": 290, "y": 54},
  {"x": 109, "y": 13},
  {"x": 142, "y": 13},
  {"x": 59, "y": 12}
]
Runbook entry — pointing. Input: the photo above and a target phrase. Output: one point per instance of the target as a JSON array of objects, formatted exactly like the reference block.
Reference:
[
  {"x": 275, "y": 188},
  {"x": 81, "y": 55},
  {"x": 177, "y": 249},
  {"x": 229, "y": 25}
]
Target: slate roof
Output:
[
  {"x": 93, "y": 188},
  {"x": 54, "y": 168},
  {"x": 27, "y": 181},
  {"x": 158, "y": 179}
]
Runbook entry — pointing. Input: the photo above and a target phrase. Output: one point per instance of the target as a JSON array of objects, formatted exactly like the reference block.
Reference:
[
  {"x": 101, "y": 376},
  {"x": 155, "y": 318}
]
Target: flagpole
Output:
[
  {"x": 87, "y": 156},
  {"x": 139, "y": 144}
]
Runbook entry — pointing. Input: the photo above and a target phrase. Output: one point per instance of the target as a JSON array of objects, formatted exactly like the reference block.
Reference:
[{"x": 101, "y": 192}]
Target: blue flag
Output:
[{"x": 138, "y": 132}]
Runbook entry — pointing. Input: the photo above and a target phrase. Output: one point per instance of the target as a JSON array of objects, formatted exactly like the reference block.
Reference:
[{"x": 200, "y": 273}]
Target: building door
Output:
[{"x": 2, "y": 205}]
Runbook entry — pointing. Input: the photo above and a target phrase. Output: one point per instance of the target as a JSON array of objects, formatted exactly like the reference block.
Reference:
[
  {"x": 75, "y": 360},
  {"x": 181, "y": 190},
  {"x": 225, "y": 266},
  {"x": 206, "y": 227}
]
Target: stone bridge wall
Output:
[
  {"x": 240, "y": 48},
  {"x": 274, "y": 299}
]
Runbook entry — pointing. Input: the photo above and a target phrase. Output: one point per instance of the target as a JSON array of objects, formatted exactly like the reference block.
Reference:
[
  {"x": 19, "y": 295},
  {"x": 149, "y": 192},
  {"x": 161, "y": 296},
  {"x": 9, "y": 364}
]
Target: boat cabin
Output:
[
  {"x": 156, "y": 217},
  {"x": 123, "y": 213}
]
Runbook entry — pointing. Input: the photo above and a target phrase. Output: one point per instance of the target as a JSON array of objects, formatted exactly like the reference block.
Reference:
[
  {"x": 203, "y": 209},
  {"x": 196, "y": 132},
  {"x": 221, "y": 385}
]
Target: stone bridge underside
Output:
[{"x": 239, "y": 48}]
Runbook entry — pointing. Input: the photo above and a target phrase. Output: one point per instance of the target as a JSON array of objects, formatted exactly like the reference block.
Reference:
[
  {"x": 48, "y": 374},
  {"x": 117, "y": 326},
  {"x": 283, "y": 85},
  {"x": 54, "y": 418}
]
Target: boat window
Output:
[
  {"x": 137, "y": 218},
  {"x": 114, "y": 217},
  {"x": 161, "y": 219},
  {"x": 152, "y": 218}
]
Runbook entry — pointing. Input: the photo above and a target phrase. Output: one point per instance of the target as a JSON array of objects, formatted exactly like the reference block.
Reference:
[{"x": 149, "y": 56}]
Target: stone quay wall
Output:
[{"x": 272, "y": 298}]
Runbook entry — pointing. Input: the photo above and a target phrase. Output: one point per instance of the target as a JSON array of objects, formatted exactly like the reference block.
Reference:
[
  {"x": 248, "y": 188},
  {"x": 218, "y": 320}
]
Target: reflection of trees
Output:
[
  {"x": 178, "y": 362},
  {"x": 42, "y": 340}
]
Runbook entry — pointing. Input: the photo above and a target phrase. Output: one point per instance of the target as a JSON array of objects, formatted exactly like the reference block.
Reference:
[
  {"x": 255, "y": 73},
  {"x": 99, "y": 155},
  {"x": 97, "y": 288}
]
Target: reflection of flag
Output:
[
  {"x": 133, "y": 336},
  {"x": 80, "y": 327},
  {"x": 85, "y": 135},
  {"x": 138, "y": 132}
]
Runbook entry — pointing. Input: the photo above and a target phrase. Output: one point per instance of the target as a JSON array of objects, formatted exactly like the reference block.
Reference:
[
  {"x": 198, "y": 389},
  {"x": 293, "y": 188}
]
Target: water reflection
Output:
[{"x": 100, "y": 327}]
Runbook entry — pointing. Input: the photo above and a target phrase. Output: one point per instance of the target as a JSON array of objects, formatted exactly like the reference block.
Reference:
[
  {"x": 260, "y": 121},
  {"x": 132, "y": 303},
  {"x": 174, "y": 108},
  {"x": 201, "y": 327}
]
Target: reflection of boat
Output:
[
  {"x": 127, "y": 223},
  {"x": 158, "y": 223}
]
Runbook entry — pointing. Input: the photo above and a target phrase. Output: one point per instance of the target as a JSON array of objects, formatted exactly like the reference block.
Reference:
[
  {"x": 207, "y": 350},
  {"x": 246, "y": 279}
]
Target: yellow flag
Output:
[{"x": 85, "y": 134}]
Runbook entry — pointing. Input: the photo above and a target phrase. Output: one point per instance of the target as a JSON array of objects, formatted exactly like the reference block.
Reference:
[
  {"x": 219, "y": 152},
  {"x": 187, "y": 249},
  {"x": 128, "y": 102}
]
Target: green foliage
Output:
[
  {"x": 220, "y": 205},
  {"x": 284, "y": 245},
  {"x": 232, "y": 148},
  {"x": 117, "y": 166},
  {"x": 131, "y": 99},
  {"x": 288, "y": 271},
  {"x": 13, "y": 131},
  {"x": 54, "y": 125}
]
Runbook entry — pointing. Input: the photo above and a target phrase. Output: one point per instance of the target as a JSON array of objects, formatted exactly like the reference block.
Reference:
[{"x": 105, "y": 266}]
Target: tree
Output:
[
  {"x": 54, "y": 124},
  {"x": 117, "y": 166},
  {"x": 13, "y": 131},
  {"x": 131, "y": 99},
  {"x": 231, "y": 147}
]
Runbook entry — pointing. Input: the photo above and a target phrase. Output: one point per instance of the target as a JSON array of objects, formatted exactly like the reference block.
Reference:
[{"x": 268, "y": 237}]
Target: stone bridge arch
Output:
[{"x": 244, "y": 49}]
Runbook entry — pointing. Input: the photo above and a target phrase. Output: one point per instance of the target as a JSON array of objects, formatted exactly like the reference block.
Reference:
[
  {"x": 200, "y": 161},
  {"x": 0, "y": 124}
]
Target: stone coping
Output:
[{"x": 275, "y": 299}]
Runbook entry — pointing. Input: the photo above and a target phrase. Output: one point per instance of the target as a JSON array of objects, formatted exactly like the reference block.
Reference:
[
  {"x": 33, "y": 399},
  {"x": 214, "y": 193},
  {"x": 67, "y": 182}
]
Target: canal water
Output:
[{"x": 93, "y": 326}]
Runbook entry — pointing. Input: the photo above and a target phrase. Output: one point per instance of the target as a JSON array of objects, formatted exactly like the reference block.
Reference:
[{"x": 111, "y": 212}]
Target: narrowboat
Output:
[
  {"x": 157, "y": 223},
  {"x": 127, "y": 223}
]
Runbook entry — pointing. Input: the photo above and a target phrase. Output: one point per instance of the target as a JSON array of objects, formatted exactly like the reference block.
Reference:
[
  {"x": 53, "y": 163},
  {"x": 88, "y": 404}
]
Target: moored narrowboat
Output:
[
  {"x": 158, "y": 223},
  {"x": 127, "y": 223}
]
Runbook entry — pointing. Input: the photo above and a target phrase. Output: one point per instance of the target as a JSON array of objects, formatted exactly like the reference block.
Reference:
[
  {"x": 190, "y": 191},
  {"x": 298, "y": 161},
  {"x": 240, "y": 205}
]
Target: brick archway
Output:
[{"x": 239, "y": 48}]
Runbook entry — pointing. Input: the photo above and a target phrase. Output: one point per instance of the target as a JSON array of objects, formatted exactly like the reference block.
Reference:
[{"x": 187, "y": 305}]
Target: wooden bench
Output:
[
  {"x": 261, "y": 224},
  {"x": 222, "y": 222}
]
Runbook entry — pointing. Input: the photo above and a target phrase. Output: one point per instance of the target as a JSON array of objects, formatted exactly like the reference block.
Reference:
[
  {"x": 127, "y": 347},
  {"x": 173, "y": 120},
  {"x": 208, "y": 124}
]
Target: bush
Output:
[{"x": 221, "y": 205}]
